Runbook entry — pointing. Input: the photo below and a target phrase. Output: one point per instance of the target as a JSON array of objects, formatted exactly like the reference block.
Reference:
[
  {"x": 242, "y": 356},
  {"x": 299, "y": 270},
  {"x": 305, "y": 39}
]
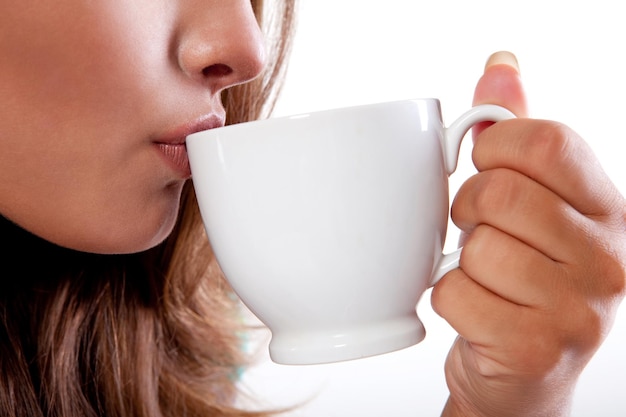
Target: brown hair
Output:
[{"x": 148, "y": 334}]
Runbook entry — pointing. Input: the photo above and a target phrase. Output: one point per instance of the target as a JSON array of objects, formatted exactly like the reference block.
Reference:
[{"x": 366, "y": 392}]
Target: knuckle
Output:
[
  {"x": 612, "y": 276},
  {"x": 548, "y": 142},
  {"x": 584, "y": 320},
  {"x": 445, "y": 292},
  {"x": 438, "y": 296},
  {"x": 585, "y": 329},
  {"x": 475, "y": 248},
  {"x": 605, "y": 266},
  {"x": 593, "y": 328},
  {"x": 500, "y": 190},
  {"x": 615, "y": 278},
  {"x": 491, "y": 197}
]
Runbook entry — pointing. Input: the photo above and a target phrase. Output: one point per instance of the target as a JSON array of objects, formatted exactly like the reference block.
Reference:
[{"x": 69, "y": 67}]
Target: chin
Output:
[
  {"x": 136, "y": 241},
  {"x": 138, "y": 233},
  {"x": 116, "y": 237}
]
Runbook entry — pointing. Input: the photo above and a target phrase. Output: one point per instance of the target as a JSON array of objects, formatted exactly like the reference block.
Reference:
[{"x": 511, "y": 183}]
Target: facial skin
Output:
[{"x": 90, "y": 89}]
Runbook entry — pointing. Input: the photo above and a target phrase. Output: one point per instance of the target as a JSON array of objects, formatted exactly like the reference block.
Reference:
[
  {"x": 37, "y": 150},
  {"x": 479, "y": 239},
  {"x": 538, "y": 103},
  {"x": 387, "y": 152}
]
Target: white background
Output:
[{"x": 350, "y": 52}]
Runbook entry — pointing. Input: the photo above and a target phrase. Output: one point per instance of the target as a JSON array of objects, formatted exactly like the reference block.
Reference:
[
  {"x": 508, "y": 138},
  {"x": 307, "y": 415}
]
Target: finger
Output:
[
  {"x": 501, "y": 84},
  {"x": 477, "y": 314},
  {"x": 504, "y": 337},
  {"x": 554, "y": 156},
  {"x": 511, "y": 269},
  {"x": 522, "y": 208}
]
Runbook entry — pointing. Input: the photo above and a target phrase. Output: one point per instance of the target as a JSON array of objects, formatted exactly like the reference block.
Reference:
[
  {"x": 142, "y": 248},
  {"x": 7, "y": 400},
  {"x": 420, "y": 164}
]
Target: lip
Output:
[{"x": 172, "y": 147}]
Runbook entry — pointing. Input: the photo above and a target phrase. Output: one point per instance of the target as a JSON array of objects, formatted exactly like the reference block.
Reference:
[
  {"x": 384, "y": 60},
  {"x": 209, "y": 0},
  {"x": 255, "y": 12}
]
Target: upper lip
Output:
[{"x": 178, "y": 135}]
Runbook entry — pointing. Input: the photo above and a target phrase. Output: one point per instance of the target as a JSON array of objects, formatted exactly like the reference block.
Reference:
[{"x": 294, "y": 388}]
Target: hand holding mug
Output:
[{"x": 543, "y": 268}]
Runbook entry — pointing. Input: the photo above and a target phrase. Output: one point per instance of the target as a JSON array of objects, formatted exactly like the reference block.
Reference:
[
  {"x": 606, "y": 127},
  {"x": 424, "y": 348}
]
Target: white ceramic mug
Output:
[{"x": 331, "y": 225}]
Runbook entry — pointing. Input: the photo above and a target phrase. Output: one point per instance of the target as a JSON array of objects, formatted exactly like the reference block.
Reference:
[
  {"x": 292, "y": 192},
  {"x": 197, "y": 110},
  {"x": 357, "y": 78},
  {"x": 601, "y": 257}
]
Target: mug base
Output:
[{"x": 336, "y": 345}]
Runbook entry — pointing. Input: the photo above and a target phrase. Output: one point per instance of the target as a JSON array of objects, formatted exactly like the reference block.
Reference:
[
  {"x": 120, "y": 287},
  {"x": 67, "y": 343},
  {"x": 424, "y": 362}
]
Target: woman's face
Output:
[{"x": 97, "y": 98}]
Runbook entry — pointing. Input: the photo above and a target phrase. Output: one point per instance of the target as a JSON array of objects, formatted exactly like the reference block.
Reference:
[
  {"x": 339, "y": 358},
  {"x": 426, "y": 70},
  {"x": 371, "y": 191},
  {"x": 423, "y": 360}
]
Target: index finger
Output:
[{"x": 553, "y": 155}]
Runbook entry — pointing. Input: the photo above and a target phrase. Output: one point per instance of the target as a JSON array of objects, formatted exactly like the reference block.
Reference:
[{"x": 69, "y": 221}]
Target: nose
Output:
[{"x": 219, "y": 43}]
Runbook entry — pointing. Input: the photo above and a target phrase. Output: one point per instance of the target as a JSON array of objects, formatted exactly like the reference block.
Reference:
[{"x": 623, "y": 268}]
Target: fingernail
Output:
[{"x": 503, "y": 58}]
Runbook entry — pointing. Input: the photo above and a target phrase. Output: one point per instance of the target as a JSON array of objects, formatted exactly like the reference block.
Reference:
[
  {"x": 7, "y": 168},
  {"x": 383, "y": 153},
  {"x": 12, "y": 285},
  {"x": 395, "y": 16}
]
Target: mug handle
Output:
[{"x": 451, "y": 144}]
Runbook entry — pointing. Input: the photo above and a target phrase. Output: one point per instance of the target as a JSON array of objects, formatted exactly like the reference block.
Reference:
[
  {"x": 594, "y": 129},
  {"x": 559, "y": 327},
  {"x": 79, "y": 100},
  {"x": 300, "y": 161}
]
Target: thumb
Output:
[{"x": 501, "y": 84}]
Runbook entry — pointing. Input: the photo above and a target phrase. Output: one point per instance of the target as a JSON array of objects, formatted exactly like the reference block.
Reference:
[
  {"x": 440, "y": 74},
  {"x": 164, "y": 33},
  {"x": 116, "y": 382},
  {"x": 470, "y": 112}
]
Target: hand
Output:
[{"x": 543, "y": 268}]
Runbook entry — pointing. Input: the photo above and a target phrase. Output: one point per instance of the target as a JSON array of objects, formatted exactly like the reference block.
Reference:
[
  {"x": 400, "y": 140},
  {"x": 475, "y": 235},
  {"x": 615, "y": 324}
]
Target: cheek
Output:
[
  {"x": 88, "y": 188},
  {"x": 76, "y": 166}
]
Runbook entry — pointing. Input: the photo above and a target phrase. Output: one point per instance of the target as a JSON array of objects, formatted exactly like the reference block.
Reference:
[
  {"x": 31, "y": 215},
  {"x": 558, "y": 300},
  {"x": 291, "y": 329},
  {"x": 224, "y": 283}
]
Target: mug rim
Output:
[{"x": 317, "y": 113}]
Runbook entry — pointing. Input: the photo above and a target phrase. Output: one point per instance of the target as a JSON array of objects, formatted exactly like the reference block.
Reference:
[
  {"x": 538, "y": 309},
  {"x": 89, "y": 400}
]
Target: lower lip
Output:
[{"x": 176, "y": 156}]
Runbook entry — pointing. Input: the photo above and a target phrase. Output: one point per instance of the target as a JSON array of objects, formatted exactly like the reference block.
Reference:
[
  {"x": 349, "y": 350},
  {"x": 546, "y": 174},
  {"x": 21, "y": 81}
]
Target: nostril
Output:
[{"x": 217, "y": 70}]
